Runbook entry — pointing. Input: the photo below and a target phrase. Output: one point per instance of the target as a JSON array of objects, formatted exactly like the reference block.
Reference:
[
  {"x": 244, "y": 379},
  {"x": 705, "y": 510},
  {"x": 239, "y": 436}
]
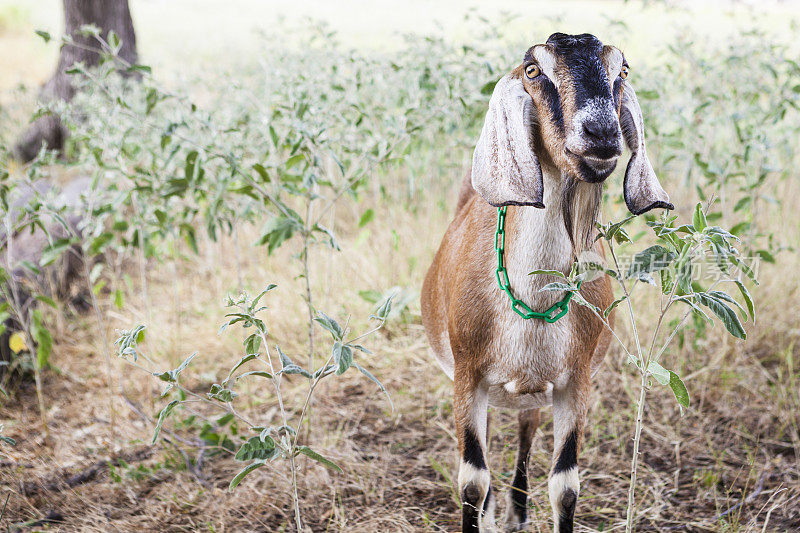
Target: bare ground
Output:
[{"x": 729, "y": 463}]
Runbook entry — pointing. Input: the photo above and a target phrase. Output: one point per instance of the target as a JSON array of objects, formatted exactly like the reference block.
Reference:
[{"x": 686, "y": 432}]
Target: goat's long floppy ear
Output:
[
  {"x": 642, "y": 190},
  {"x": 505, "y": 169}
]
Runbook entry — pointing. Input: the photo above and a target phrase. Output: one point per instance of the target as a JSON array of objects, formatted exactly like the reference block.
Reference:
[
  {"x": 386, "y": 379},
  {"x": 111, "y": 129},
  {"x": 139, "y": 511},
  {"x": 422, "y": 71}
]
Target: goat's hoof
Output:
[
  {"x": 515, "y": 526},
  {"x": 514, "y": 522}
]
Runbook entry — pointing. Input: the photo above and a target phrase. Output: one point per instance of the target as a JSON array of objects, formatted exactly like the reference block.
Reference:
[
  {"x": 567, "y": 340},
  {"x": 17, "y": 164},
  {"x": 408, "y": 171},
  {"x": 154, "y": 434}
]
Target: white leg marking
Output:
[
  {"x": 487, "y": 521},
  {"x": 479, "y": 477},
  {"x": 558, "y": 483}
]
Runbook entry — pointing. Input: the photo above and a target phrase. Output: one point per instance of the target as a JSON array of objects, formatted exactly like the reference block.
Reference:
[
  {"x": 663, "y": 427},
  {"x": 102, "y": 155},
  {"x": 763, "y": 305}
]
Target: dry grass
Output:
[{"x": 730, "y": 463}]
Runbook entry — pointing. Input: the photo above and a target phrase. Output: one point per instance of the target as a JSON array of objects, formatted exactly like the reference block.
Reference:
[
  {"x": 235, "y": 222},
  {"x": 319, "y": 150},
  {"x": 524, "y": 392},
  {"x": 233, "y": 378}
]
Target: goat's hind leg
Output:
[
  {"x": 517, "y": 502},
  {"x": 569, "y": 413},
  {"x": 470, "y": 406}
]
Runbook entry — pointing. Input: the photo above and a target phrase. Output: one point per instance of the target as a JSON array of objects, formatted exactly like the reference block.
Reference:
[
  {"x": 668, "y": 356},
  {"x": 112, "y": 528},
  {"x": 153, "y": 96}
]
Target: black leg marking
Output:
[
  {"x": 469, "y": 509},
  {"x": 519, "y": 487},
  {"x": 517, "y": 514},
  {"x": 519, "y": 495},
  {"x": 473, "y": 453},
  {"x": 488, "y": 501},
  {"x": 569, "y": 454},
  {"x": 565, "y": 518}
]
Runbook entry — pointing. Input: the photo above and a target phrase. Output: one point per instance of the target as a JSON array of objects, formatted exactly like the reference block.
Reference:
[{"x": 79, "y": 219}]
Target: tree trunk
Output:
[{"x": 105, "y": 14}]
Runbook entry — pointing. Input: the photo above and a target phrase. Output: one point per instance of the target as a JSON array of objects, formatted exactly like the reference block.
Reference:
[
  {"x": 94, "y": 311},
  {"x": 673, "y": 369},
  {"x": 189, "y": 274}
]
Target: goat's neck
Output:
[{"x": 542, "y": 237}]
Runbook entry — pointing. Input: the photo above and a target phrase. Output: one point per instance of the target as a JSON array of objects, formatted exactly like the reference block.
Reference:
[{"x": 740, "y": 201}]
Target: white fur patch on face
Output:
[
  {"x": 547, "y": 63},
  {"x": 593, "y": 108},
  {"x": 614, "y": 61}
]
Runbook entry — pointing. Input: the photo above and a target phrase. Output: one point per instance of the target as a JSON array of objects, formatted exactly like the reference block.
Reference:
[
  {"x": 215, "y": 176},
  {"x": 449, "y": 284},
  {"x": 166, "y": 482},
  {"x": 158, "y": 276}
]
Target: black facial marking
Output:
[
  {"x": 569, "y": 454},
  {"x": 581, "y": 55},
  {"x": 591, "y": 175},
  {"x": 567, "y": 514},
  {"x": 528, "y": 58},
  {"x": 617, "y": 92},
  {"x": 473, "y": 453},
  {"x": 553, "y": 100}
]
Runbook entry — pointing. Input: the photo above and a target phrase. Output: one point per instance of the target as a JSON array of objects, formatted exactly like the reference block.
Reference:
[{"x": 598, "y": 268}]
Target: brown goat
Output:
[{"x": 553, "y": 131}]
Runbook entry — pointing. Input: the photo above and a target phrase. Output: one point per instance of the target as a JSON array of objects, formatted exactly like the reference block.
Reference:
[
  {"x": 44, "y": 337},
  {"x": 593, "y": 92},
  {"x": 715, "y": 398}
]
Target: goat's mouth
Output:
[{"x": 595, "y": 165}]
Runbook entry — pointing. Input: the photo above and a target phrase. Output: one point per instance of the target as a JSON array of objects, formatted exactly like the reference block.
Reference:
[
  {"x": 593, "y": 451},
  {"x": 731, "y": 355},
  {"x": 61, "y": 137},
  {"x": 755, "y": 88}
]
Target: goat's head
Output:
[{"x": 567, "y": 106}]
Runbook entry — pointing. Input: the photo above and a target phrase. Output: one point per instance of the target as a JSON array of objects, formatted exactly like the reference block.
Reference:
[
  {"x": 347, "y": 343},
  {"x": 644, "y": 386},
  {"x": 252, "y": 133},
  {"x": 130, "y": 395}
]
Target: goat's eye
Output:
[
  {"x": 532, "y": 71},
  {"x": 623, "y": 73}
]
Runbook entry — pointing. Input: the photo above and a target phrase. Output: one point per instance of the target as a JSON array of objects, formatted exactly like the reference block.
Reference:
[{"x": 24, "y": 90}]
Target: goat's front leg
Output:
[
  {"x": 569, "y": 413},
  {"x": 470, "y": 406}
]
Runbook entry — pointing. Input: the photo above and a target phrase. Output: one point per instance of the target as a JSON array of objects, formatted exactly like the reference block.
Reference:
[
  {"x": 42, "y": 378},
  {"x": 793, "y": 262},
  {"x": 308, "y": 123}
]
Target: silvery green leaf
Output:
[
  {"x": 243, "y": 360},
  {"x": 580, "y": 300},
  {"x": 278, "y": 230},
  {"x": 256, "y": 448},
  {"x": 305, "y": 450},
  {"x": 678, "y": 389},
  {"x": 725, "y": 297},
  {"x": 295, "y": 369},
  {"x": 689, "y": 300},
  {"x": 285, "y": 361},
  {"x": 699, "y": 218},
  {"x": 613, "y": 305},
  {"x": 246, "y": 470},
  {"x": 548, "y": 273},
  {"x": 162, "y": 416},
  {"x": 171, "y": 376},
  {"x": 556, "y": 286},
  {"x": 727, "y": 315},
  {"x": 651, "y": 259},
  {"x": 331, "y": 325},
  {"x": 361, "y": 349},
  {"x": 748, "y": 300},
  {"x": 615, "y": 227},
  {"x": 384, "y": 308},
  {"x": 254, "y": 303},
  {"x": 659, "y": 372},
  {"x": 374, "y": 380},
  {"x": 345, "y": 359},
  {"x": 647, "y": 278},
  {"x": 218, "y": 392},
  {"x": 259, "y": 373},
  {"x": 744, "y": 267}
]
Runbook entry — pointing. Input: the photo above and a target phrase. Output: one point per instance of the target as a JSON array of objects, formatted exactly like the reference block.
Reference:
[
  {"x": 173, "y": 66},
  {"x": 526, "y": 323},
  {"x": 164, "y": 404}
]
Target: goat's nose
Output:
[{"x": 600, "y": 129}]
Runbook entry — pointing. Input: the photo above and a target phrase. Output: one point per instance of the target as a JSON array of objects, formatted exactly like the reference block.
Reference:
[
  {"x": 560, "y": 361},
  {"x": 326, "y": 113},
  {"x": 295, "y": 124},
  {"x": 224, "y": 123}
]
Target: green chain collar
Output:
[{"x": 558, "y": 310}]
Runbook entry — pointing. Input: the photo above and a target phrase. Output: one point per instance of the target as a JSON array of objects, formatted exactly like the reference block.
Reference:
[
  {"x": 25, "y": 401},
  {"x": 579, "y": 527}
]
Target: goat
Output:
[{"x": 554, "y": 130}]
